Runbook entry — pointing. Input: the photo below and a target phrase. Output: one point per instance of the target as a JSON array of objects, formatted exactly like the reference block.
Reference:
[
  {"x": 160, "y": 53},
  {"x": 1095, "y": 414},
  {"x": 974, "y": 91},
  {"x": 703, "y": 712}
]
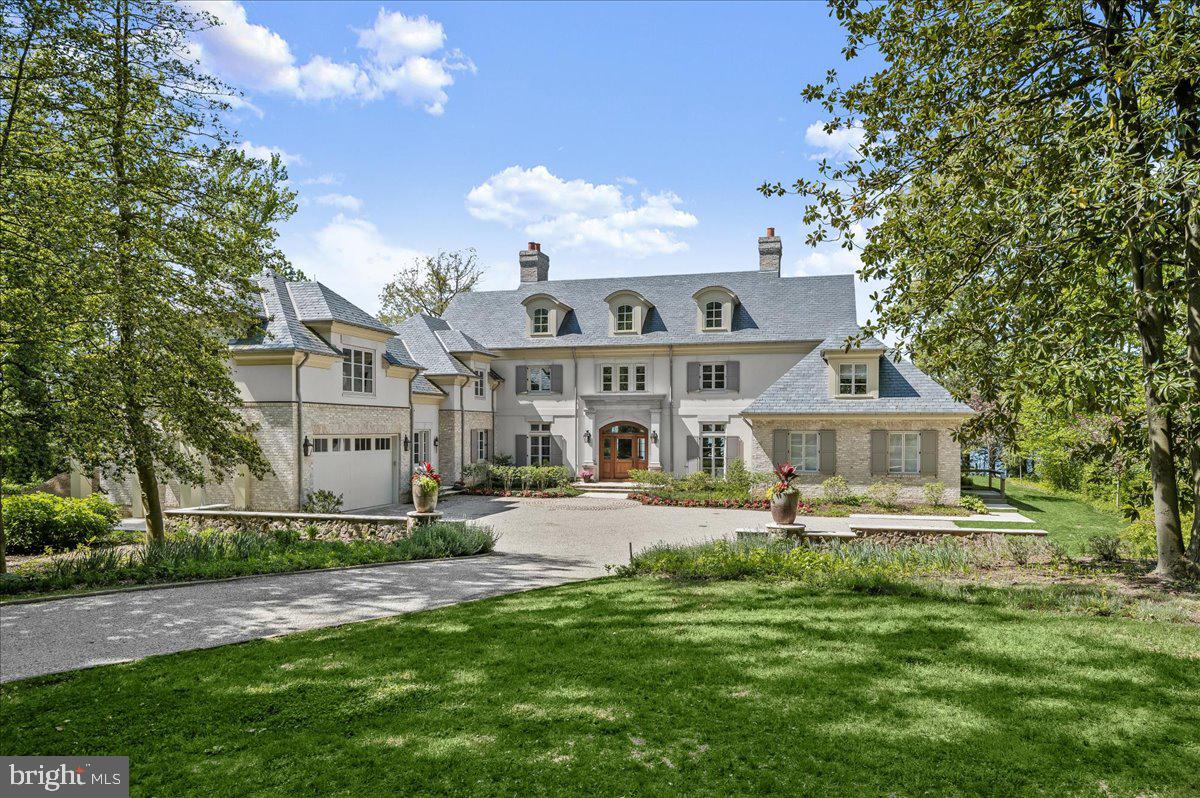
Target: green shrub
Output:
[
  {"x": 972, "y": 503},
  {"x": 643, "y": 476},
  {"x": 836, "y": 489},
  {"x": 34, "y": 522},
  {"x": 697, "y": 481},
  {"x": 737, "y": 478},
  {"x": 1139, "y": 540},
  {"x": 935, "y": 492},
  {"x": 1104, "y": 547},
  {"x": 322, "y": 501},
  {"x": 883, "y": 493}
]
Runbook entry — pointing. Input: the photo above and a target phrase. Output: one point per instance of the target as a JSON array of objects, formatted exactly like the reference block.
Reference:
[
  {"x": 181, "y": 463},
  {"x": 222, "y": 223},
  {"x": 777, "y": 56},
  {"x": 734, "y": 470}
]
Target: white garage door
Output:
[{"x": 358, "y": 467}]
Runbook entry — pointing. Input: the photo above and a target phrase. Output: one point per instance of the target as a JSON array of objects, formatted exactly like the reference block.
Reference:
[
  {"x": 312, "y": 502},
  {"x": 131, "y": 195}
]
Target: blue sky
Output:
[{"x": 626, "y": 138}]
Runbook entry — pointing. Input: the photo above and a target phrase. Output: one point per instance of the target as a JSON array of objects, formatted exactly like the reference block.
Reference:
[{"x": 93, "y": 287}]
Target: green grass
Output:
[
  {"x": 1067, "y": 521},
  {"x": 644, "y": 687}
]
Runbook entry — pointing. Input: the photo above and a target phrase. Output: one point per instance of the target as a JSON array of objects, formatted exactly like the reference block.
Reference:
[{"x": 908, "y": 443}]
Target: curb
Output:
[{"x": 172, "y": 585}]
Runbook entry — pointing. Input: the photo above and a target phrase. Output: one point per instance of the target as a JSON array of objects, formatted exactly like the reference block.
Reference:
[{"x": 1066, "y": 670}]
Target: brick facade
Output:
[
  {"x": 338, "y": 419},
  {"x": 276, "y": 435},
  {"x": 854, "y": 451}
]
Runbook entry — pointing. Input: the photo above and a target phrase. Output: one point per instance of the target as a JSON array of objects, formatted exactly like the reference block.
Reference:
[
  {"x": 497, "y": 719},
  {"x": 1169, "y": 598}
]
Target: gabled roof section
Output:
[
  {"x": 903, "y": 388},
  {"x": 772, "y": 309},
  {"x": 282, "y": 329},
  {"x": 421, "y": 335},
  {"x": 316, "y": 302},
  {"x": 398, "y": 355},
  {"x": 421, "y": 385},
  {"x": 459, "y": 343}
]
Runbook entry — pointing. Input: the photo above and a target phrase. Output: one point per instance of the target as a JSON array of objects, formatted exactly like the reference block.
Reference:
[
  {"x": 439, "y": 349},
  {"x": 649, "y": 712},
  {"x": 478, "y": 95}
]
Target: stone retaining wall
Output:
[{"x": 328, "y": 526}]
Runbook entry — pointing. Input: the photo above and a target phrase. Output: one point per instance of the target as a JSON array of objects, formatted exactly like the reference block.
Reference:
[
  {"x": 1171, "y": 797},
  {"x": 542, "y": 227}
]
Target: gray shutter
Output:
[
  {"x": 929, "y": 452},
  {"x": 556, "y": 382},
  {"x": 521, "y": 451},
  {"x": 556, "y": 448},
  {"x": 693, "y": 377},
  {"x": 779, "y": 448},
  {"x": 733, "y": 375},
  {"x": 474, "y": 458},
  {"x": 693, "y": 453},
  {"x": 828, "y": 455},
  {"x": 733, "y": 449},
  {"x": 879, "y": 439},
  {"x": 522, "y": 385}
]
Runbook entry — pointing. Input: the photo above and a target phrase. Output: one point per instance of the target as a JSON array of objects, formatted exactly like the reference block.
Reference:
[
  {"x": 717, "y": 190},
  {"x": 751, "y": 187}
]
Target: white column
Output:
[{"x": 655, "y": 448}]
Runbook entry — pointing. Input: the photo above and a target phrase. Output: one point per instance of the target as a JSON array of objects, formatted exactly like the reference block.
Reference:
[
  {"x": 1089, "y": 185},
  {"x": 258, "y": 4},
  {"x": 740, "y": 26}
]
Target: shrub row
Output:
[
  {"x": 660, "y": 500},
  {"x": 34, "y": 522},
  {"x": 553, "y": 493},
  {"x": 523, "y": 478}
]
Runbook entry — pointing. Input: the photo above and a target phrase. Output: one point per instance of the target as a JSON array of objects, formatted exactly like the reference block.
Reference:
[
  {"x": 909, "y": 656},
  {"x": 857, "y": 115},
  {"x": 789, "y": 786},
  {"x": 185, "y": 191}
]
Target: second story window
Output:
[
  {"x": 479, "y": 383},
  {"x": 622, "y": 378},
  {"x": 358, "y": 370},
  {"x": 539, "y": 379},
  {"x": 714, "y": 316},
  {"x": 625, "y": 318},
  {"x": 852, "y": 379},
  {"x": 541, "y": 321},
  {"x": 712, "y": 376}
]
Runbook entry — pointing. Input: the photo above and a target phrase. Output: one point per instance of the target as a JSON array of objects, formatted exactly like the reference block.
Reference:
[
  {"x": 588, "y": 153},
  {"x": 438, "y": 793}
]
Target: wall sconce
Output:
[
  {"x": 654, "y": 437},
  {"x": 307, "y": 447},
  {"x": 406, "y": 443},
  {"x": 587, "y": 436},
  {"x": 435, "y": 441}
]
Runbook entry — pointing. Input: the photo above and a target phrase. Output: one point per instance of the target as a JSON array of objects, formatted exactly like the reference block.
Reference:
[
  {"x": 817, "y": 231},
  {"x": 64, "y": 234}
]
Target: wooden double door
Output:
[{"x": 623, "y": 446}]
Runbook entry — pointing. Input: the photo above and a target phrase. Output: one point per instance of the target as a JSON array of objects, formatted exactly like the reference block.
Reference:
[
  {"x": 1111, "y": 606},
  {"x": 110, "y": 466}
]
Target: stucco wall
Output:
[{"x": 854, "y": 451}]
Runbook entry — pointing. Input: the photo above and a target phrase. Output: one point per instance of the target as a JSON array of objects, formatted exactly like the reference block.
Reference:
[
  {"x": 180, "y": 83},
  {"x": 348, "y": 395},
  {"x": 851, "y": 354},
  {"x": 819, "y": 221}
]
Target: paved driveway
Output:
[{"x": 542, "y": 542}]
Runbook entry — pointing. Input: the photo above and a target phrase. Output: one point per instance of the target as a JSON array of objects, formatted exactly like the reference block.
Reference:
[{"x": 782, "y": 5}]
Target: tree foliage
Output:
[
  {"x": 428, "y": 285},
  {"x": 1025, "y": 186}
]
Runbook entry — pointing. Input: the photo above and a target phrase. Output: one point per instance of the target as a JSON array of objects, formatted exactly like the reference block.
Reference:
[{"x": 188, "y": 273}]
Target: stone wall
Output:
[
  {"x": 318, "y": 526},
  {"x": 854, "y": 452}
]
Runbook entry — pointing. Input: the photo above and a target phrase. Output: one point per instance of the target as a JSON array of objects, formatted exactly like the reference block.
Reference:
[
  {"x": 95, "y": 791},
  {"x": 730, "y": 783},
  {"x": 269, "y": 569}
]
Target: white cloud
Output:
[
  {"x": 354, "y": 256},
  {"x": 400, "y": 59},
  {"x": 576, "y": 213},
  {"x": 322, "y": 180},
  {"x": 842, "y": 143},
  {"x": 347, "y": 202},
  {"x": 263, "y": 153}
]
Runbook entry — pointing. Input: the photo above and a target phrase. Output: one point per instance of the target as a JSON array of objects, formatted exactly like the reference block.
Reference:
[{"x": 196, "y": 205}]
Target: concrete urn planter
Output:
[
  {"x": 783, "y": 507},
  {"x": 424, "y": 498}
]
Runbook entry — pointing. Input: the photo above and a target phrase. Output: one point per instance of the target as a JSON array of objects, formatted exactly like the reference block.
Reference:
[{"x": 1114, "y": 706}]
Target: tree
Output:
[
  {"x": 170, "y": 225},
  {"x": 429, "y": 284},
  {"x": 1025, "y": 185}
]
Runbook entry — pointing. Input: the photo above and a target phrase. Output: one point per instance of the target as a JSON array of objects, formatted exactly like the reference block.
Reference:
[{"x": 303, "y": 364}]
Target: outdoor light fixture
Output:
[
  {"x": 435, "y": 440},
  {"x": 654, "y": 437},
  {"x": 406, "y": 443},
  {"x": 307, "y": 446},
  {"x": 587, "y": 436}
]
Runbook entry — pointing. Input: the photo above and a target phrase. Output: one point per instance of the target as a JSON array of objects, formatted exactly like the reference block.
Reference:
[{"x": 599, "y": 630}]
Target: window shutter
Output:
[
  {"x": 556, "y": 449},
  {"x": 733, "y": 450},
  {"x": 556, "y": 379},
  {"x": 521, "y": 450},
  {"x": 475, "y": 446},
  {"x": 929, "y": 452},
  {"x": 879, "y": 442},
  {"x": 693, "y": 454},
  {"x": 693, "y": 377},
  {"x": 779, "y": 448},
  {"x": 828, "y": 455},
  {"x": 733, "y": 375},
  {"x": 522, "y": 385}
]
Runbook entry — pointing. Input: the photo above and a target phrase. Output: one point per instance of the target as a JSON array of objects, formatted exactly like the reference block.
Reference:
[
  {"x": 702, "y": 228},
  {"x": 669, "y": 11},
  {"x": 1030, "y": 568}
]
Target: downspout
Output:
[
  {"x": 670, "y": 469},
  {"x": 578, "y": 433},
  {"x": 405, "y": 458},
  {"x": 299, "y": 434},
  {"x": 462, "y": 432}
]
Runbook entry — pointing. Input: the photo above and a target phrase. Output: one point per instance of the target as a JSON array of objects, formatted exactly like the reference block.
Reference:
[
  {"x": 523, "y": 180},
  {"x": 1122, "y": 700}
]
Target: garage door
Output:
[{"x": 358, "y": 467}]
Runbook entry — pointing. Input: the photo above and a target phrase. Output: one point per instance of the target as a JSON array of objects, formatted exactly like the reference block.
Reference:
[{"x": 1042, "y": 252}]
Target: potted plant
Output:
[
  {"x": 784, "y": 496},
  {"x": 425, "y": 484},
  {"x": 586, "y": 474}
]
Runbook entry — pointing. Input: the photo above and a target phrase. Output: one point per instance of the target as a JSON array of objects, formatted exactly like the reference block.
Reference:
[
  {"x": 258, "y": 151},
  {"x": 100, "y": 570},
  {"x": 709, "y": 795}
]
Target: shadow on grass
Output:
[{"x": 646, "y": 687}]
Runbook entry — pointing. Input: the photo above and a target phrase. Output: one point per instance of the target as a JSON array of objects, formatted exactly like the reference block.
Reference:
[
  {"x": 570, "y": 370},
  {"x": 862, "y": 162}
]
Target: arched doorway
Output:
[{"x": 623, "y": 446}]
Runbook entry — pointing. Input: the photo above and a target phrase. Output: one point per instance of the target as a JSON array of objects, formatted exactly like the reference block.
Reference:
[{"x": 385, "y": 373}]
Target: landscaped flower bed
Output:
[
  {"x": 552, "y": 493},
  {"x": 723, "y": 503}
]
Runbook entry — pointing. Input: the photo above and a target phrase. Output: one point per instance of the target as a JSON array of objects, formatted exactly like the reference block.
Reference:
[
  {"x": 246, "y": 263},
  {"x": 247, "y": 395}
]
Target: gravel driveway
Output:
[{"x": 542, "y": 542}]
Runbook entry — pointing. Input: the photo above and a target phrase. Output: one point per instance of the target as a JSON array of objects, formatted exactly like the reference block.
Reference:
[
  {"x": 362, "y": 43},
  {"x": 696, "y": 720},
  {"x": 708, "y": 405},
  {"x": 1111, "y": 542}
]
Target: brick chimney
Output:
[
  {"x": 770, "y": 252},
  {"x": 535, "y": 264}
]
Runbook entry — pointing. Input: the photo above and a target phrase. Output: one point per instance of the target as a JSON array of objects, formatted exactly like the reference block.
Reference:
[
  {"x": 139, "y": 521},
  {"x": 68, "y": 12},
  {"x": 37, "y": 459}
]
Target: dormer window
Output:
[
  {"x": 625, "y": 318},
  {"x": 714, "y": 316},
  {"x": 852, "y": 379},
  {"x": 545, "y": 315},
  {"x": 541, "y": 321}
]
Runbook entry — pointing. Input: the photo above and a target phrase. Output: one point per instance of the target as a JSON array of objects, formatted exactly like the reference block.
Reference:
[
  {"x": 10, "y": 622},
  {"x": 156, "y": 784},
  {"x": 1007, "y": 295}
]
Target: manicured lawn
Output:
[
  {"x": 1067, "y": 521},
  {"x": 645, "y": 687}
]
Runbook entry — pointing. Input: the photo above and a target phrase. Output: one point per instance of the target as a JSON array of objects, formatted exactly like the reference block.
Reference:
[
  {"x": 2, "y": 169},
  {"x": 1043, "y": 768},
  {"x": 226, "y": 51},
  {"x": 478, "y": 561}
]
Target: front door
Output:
[{"x": 623, "y": 446}]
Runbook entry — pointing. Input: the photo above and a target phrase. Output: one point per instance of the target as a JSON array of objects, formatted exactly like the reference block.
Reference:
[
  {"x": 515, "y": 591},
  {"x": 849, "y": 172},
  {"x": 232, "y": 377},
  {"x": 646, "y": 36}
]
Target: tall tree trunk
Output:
[{"x": 1189, "y": 144}]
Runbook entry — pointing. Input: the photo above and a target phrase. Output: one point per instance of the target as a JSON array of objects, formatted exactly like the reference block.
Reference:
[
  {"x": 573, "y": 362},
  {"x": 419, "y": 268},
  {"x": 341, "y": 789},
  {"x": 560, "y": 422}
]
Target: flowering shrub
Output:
[
  {"x": 553, "y": 493},
  {"x": 586, "y": 474},
  {"x": 728, "y": 503},
  {"x": 426, "y": 477}
]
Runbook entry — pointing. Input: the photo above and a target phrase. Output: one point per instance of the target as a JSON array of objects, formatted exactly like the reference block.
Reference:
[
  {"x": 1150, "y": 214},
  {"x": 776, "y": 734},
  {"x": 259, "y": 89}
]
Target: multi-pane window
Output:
[
  {"x": 625, "y": 318},
  {"x": 539, "y": 444},
  {"x": 712, "y": 376},
  {"x": 383, "y": 444},
  {"x": 358, "y": 370},
  {"x": 539, "y": 379},
  {"x": 712, "y": 449},
  {"x": 362, "y": 444},
  {"x": 904, "y": 453},
  {"x": 804, "y": 451},
  {"x": 541, "y": 321},
  {"x": 340, "y": 444},
  {"x": 622, "y": 378},
  {"x": 482, "y": 441},
  {"x": 852, "y": 379},
  {"x": 421, "y": 448},
  {"x": 714, "y": 316},
  {"x": 320, "y": 445},
  {"x": 479, "y": 383}
]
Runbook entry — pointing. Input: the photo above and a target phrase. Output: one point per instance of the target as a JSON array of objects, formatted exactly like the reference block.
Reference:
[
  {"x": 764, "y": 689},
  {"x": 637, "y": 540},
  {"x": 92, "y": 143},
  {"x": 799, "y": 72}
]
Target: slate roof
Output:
[
  {"x": 422, "y": 335},
  {"x": 903, "y": 388},
  {"x": 282, "y": 329},
  {"x": 772, "y": 309},
  {"x": 315, "y": 302}
]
